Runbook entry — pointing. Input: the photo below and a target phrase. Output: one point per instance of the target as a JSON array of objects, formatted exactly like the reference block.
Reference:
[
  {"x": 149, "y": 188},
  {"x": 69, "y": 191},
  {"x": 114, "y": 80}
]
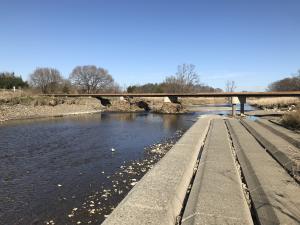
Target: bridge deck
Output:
[
  {"x": 218, "y": 189},
  {"x": 210, "y": 94}
]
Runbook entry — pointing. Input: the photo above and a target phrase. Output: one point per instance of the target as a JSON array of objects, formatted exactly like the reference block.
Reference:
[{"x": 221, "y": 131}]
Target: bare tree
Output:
[
  {"x": 48, "y": 80},
  {"x": 90, "y": 79},
  {"x": 230, "y": 86},
  {"x": 185, "y": 79}
]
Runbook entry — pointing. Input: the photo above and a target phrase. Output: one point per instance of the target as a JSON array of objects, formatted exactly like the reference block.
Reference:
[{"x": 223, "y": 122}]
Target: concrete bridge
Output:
[
  {"x": 237, "y": 97},
  {"x": 222, "y": 171}
]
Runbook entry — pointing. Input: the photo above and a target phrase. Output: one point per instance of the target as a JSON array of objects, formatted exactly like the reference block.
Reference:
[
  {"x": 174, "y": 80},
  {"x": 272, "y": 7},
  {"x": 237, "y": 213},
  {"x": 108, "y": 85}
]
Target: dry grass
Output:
[
  {"x": 202, "y": 101},
  {"x": 274, "y": 102},
  {"x": 292, "y": 119},
  {"x": 9, "y": 94}
]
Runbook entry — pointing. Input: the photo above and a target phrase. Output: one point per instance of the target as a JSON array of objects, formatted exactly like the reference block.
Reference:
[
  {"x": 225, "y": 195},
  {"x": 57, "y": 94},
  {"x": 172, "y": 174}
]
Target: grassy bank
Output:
[
  {"x": 292, "y": 119},
  {"x": 291, "y": 106},
  {"x": 283, "y": 103}
]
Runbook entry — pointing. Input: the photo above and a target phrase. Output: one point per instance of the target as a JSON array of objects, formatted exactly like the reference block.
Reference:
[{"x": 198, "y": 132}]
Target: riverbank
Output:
[
  {"x": 285, "y": 110},
  {"x": 21, "y": 105},
  {"x": 98, "y": 205},
  {"x": 25, "y": 107}
]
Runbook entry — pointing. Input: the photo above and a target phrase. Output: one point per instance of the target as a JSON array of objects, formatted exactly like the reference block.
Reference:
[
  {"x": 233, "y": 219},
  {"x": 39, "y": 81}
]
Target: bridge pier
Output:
[
  {"x": 234, "y": 101},
  {"x": 242, "y": 100},
  {"x": 172, "y": 99},
  {"x": 238, "y": 100}
]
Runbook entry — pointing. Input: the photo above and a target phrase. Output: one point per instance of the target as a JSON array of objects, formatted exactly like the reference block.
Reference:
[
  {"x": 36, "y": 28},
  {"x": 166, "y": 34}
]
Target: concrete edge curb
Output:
[{"x": 131, "y": 210}]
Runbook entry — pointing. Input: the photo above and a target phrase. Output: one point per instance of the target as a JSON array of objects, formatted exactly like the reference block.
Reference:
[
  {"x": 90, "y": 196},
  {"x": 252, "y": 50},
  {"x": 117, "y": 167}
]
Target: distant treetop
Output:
[
  {"x": 286, "y": 84},
  {"x": 10, "y": 80}
]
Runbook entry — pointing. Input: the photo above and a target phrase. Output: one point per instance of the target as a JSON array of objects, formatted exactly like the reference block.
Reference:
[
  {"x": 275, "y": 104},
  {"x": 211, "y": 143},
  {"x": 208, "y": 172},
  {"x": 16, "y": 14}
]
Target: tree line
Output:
[
  {"x": 10, "y": 80},
  {"x": 185, "y": 80},
  {"x": 83, "y": 79},
  {"x": 291, "y": 83},
  {"x": 92, "y": 79}
]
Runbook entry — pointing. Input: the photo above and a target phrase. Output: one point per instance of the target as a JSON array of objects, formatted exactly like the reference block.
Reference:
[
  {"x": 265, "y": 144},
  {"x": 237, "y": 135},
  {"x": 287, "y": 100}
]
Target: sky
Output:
[{"x": 252, "y": 42}]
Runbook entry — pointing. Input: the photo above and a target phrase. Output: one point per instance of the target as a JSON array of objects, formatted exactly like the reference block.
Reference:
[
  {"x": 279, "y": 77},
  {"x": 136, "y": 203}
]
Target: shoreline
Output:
[
  {"x": 23, "y": 106},
  {"x": 98, "y": 205},
  {"x": 50, "y": 116},
  {"x": 79, "y": 113}
]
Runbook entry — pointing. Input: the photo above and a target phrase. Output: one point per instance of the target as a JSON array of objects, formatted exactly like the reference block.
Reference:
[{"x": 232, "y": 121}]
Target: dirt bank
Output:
[
  {"x": 37, "y": 107},
  {"x": 23, "y": 106}
]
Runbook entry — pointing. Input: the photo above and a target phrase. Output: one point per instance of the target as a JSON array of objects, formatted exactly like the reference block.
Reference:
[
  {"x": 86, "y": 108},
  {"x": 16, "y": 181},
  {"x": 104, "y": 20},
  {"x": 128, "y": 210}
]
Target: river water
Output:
[{"x": 75, "y": 170}]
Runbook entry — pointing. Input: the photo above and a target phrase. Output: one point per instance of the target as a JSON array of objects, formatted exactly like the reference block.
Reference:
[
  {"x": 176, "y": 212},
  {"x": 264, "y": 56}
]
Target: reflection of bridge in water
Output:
[{"x": 237, "y": 97}]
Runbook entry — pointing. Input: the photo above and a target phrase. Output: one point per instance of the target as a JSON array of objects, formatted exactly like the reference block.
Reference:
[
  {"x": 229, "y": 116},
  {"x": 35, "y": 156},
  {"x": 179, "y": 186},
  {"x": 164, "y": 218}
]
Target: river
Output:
[{"x": 75, "y": 170}]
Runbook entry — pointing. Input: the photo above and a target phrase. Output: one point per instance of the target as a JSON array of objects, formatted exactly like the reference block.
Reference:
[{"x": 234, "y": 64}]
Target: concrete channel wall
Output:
[{"x": 158, "y": 197}]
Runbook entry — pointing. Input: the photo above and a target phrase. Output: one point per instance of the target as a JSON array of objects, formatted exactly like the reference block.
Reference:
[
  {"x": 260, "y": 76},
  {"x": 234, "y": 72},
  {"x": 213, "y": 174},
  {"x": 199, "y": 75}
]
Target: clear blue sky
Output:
[{"x": 253, "y": 42}]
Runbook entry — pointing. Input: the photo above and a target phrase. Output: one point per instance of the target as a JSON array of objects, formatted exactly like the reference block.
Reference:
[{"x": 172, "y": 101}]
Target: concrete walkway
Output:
[
  {"x": 217, "y": 196},
  {"x": 217, "y": 193},
  {"x": 275, "y": 194}
]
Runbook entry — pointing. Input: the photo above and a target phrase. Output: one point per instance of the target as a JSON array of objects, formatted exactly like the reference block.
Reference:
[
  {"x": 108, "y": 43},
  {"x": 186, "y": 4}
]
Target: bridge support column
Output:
[
  {"x": 173, "y": 99},
  {"x": 242, "y": 100},
  {"x": 166, "y": 99},
  {"x": 234, "y": 101}
]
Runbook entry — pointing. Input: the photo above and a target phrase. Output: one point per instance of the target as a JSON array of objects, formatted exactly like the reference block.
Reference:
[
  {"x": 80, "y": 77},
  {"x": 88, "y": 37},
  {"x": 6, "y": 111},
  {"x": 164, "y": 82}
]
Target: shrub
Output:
[{"x": 292, "y": 119}]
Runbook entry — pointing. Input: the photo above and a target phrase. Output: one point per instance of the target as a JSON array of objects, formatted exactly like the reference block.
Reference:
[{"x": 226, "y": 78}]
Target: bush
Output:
[{"x": 292, "y": 119}]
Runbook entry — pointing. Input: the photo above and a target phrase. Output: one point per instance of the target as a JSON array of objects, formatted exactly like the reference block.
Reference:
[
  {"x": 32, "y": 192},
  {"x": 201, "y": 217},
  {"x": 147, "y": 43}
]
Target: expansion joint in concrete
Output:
[{"x": 239, "y": 169}]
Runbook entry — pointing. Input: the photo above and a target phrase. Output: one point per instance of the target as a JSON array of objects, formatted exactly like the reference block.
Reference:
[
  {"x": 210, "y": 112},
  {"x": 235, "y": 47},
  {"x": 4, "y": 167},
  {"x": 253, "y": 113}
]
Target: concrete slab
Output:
[
  {"x": 216, "y": 196},
  {"x": 289, "y": 135},
  {"x": 263, "y": 113},
  {"x": 284, "y": 152},
  {"x": 158, "y": 197},
  {"x": 274, "y": 193}
]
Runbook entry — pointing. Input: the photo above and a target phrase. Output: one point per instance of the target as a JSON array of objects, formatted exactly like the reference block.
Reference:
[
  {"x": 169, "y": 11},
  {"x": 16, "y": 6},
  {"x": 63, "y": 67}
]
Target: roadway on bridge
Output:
[{"x": 202, "y": 94}]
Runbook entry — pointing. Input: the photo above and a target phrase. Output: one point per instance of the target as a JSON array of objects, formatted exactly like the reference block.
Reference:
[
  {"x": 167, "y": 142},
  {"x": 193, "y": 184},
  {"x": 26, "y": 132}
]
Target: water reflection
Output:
[{"x": 49, "y": 165}]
